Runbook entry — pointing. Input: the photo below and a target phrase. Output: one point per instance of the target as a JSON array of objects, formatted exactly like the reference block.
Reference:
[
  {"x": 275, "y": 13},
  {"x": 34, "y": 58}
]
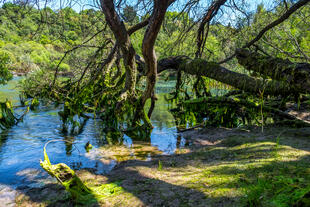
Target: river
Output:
[{"x": 21, "y": 147}]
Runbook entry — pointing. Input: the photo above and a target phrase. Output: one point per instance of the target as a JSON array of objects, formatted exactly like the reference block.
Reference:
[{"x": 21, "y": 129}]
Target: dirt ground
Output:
[{"x": 218, "y": 167}]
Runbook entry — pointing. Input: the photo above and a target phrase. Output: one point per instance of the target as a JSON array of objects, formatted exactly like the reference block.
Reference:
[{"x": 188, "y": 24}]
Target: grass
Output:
[{"x": 241, "y": 168}]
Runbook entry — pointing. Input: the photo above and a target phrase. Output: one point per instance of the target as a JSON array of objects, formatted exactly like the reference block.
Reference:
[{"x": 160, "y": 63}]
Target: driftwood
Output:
[{"x": 80, "y": 192}]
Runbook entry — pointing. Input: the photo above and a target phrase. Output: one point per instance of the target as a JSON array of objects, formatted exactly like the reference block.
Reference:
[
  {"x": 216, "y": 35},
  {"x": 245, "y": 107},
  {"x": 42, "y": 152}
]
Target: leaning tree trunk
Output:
[
  {"x": 297, "y": 75},
  {"x": 123, "y": 41},
  {"x": 150, "y": 36},
  {"x": 214, "y": 71}
]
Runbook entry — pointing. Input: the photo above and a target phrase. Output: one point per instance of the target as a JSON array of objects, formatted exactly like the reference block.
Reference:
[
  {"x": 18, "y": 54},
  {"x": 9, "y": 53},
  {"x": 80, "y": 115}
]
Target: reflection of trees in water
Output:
[
  {"x": 114, "y": 137},
  {"x": 179, "y": 139},
  {"x": 68, "y": 140},
  {"x": 99, "y": 134},
  {"x": 142, "y": 133},
  {"x": 161, "y": 117},
  {"x": 3, "y": 138}
]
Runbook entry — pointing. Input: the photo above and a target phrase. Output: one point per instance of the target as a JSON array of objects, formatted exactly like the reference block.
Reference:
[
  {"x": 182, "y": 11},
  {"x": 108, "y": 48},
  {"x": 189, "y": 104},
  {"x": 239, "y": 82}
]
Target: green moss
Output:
[
  {"x": 80, "y": 192},
  {"x": 196, "y": 66}
]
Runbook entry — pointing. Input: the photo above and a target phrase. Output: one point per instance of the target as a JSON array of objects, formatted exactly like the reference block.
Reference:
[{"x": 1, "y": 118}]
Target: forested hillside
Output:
[{"x": 37, "y": 39}]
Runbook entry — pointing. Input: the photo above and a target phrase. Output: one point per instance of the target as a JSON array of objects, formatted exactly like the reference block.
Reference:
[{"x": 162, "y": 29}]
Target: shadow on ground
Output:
[{"x": 222, "y": 167}]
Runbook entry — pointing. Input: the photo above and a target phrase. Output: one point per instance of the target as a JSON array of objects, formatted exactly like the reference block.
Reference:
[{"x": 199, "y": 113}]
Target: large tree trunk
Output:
[
  {"x": 214, "y": 71},
  {"x": 297, "y": 75},
  {"x": 123, "y": 40},
  {"x": 155, "y": 22}
]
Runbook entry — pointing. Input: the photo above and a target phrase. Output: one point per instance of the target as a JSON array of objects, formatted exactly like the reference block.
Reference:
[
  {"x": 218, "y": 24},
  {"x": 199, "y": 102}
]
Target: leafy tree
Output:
[
  {"x": 5, "y": 74},
  {"x": 129, "y": 14}
]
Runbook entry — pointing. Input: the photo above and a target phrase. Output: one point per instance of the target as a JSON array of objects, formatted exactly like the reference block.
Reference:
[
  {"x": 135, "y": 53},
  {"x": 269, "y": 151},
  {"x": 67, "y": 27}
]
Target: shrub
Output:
[
  {"x": 1, "y": 43},
  {"x": 5, "y": 74},
  {"x": 64, "y": 67},
  {"x": 71, "y": 35},
  {"x": 45, "y": 40},
  {"x": 40, "y": 58}
]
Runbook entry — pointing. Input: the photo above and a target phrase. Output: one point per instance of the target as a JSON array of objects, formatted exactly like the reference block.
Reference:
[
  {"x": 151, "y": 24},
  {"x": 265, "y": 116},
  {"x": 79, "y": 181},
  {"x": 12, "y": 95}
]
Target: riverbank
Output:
[{"x": 220, "y": 167}]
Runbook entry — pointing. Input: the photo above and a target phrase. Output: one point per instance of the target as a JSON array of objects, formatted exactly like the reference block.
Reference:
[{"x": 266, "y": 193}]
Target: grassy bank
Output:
[{"x": 220, "y": 167}]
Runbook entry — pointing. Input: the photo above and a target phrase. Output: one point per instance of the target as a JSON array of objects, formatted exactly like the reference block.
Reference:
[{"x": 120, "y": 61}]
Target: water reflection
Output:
[
  {"x": 68, "y": 141},
  {"x": 21, "y": 147}
]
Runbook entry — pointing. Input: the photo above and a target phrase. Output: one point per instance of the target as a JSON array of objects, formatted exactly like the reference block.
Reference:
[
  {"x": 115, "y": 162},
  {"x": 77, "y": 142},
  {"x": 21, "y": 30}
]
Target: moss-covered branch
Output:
[
  {"x": 200, "y": 67},
  {"x": 295, "y": 74}
]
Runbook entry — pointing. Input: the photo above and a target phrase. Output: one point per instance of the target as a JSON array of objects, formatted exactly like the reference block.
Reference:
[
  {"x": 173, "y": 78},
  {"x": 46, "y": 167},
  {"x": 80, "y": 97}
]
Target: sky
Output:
[
  {"x": 225, "y": 16},
  {"x": 79, "y": 5}
]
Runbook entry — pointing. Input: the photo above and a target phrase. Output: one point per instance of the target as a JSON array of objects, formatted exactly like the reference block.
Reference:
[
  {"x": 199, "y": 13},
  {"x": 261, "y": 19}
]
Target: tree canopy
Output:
[{"x": 114, "y": 51}]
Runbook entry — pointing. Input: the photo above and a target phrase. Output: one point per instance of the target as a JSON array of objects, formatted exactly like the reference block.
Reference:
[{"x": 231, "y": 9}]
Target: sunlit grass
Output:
[{"x": 242, "y": 170}]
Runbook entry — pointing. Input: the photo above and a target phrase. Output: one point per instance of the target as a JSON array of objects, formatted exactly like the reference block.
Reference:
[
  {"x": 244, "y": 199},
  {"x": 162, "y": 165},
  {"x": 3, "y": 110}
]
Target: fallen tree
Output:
[
  {"x": 112, "y": 88},
  {"x": 294, "y": 74},
  {"x": 200, "y": 67}
]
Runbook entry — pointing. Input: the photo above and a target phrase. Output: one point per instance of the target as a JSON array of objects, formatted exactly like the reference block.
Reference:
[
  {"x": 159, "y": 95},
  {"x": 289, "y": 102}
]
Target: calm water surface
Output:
[{"x": 21, "y": 147}]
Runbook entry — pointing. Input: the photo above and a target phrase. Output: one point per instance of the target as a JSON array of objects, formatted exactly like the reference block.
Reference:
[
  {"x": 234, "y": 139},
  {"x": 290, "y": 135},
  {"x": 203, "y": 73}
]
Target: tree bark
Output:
[
  {"x": 202, "y": 35},
  {"x": 123, "y": 40},
  {"x": 155, "y": 22},
  {"x": 214, "y": 71},
  {"x": 160, "y": 8},
  {"x": 297, "y": 75}
]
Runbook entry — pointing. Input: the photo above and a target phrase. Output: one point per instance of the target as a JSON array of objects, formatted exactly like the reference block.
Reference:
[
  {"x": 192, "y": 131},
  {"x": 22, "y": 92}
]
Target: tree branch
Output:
[
  {"x": 285, "y": 16},
  {"x": 201, "y": 35},
  {"x": 214, "y": 71}
]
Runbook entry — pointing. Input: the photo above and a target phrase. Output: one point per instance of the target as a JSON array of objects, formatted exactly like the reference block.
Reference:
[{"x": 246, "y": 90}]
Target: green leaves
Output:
[
  {"x": 5, "y": 74},
  {"x": 7, "y": 118}
]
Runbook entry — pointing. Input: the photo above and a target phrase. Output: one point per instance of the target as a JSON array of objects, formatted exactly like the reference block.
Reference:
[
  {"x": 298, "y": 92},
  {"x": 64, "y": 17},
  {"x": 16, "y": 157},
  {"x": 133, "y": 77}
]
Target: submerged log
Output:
[{"x": 297, "y": 75}]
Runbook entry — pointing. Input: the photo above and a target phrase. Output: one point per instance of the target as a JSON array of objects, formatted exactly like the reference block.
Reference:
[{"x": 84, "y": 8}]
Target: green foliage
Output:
[
  {"x": 286, "y": 191},
  {"x": 129, "y": 14},
  {"x": 88, "y": 146},
  {"x": 39, "y": 49},
  {"x": 33, "y": 45},
  {"x": 36, "y": 82},
  {"x": 45, "y": 40},
  {"x": 64, "y": 67},
  {"x": 71, "y": 35},
  {"x": 2, "y": 43},
  {"x": 7, "y": 118},
  {"x": 223, "y": 111},
  {"x": 5, "y": 74},
  {"x": 160, "y": 165},
  {"x": 34, "y": 103}
]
